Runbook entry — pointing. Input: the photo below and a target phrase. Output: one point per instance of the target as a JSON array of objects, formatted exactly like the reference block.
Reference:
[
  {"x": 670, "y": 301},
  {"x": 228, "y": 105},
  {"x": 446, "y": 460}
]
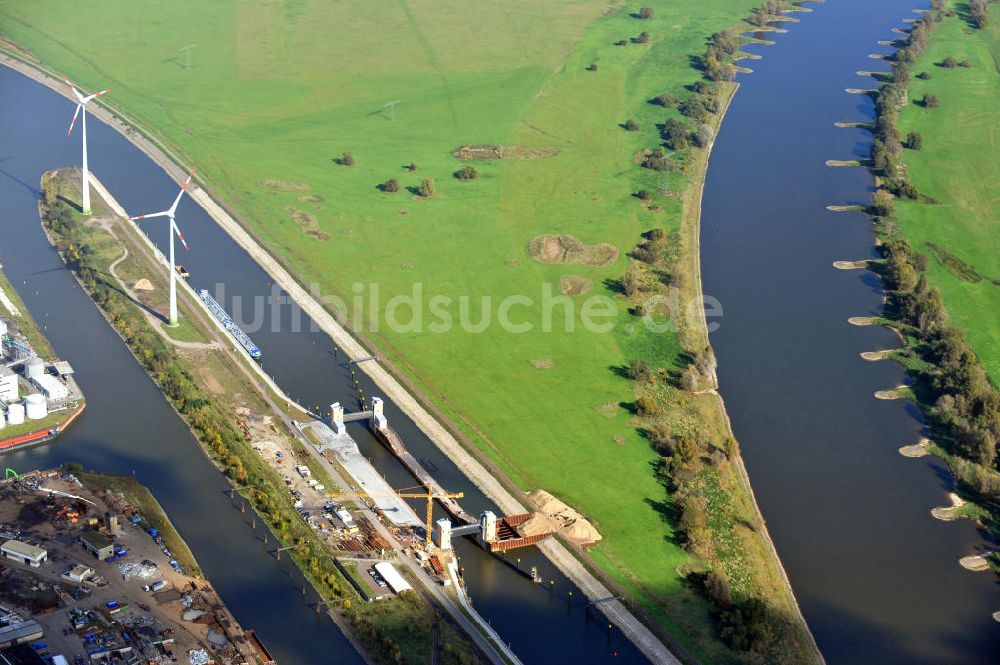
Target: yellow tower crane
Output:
[{"x": 428, "y": 494}]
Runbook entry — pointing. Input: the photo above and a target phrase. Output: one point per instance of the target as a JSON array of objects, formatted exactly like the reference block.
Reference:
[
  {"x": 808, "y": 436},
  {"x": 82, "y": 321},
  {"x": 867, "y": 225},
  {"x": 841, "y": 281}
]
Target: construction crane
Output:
[{"x": 428, "y": 494}]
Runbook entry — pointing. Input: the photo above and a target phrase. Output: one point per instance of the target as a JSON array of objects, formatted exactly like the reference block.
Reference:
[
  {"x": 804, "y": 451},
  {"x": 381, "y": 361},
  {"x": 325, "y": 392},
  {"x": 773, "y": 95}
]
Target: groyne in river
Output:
[
  {"x": 877, "y": 577},
  {"x": 114, "y": 434}
]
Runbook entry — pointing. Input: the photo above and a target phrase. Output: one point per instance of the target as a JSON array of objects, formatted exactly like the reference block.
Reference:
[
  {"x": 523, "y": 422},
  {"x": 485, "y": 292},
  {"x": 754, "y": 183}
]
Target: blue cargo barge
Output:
[{"x": 230, "y": 325}]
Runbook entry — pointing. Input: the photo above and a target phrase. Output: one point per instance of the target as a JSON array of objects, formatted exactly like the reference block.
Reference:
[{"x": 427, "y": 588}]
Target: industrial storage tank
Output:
[
  {"x": 15, "y": 414},
  {"x": 34, "y": 368},
  {"x": 35, "y": 406}
]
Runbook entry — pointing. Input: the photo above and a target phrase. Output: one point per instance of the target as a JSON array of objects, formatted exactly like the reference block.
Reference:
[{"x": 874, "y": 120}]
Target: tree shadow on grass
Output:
[
  {"x": 614, "y": 285},
  {"x": 72, "y": 204},
  {"x": 630, "y": 407},
  {"x": 109, "y": 281},
  {"x": 621, "y": 371}
]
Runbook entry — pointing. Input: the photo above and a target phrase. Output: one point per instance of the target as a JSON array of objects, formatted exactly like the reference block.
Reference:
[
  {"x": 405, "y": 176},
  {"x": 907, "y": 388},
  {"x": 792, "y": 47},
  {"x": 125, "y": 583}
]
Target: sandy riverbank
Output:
[
  {"x": 947, "y": 514},
  {"x": 920, "y": 449},
  {"x": 693, "y": 219}
]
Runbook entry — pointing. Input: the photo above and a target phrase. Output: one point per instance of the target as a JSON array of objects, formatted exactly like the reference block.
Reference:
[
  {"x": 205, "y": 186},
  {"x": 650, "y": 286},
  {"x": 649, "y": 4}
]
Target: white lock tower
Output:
[{"x": 337, "y": 418}]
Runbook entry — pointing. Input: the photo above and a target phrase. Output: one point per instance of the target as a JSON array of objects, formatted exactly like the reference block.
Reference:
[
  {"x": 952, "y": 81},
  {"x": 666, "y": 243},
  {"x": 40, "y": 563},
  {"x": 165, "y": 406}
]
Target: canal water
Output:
[
  {"x": 877, "y": 577},
  {"x": 129, "y": 428}
]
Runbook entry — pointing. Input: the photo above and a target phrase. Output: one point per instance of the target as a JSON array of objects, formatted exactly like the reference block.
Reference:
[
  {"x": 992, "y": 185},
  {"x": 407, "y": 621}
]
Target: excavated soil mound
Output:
[
  {"x": 542, "y": 363},
  {"x": 481, "y": 152},
  {"x": 477, "y": 152},
  {"x": 284, "y": 186},
  {"x": 574, "y": 285},
  {"x": 143, "y": 285},
  {"x": 307, "y": 224},
  {"x": 567, "y": 249}
]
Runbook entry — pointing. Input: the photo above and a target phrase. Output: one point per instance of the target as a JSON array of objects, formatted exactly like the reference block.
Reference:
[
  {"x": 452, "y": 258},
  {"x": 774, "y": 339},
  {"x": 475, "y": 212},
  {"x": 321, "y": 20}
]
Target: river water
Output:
[
  {"x": 877, "y": 577},
  {"x": 129, "y": 428}
]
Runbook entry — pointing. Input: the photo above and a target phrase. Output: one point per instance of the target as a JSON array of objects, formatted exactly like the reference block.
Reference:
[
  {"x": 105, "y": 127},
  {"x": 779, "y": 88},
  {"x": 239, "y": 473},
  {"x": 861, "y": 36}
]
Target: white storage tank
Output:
[
  {"x": 35, "y": 406},
  {"x": 34, "y": 368},
  {"x": 15, "y": 414}
]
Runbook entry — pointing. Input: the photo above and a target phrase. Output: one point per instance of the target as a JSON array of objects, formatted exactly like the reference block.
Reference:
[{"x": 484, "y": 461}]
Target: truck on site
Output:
[
  {"x": 159, "y": 585},
  {"x": 303, "y": 470}
]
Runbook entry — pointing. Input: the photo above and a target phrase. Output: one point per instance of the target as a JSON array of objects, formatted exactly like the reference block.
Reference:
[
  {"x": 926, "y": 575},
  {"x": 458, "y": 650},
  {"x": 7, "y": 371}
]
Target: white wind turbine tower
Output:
[
  {"x": 169, "y": 213},
  {"x": 82, "y": 106}
]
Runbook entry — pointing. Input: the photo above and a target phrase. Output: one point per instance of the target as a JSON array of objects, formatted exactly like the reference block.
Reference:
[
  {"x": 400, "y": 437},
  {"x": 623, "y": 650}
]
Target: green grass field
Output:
[
  {"x": 278, "y": 90},
  {"x": 959, "y": 168}
]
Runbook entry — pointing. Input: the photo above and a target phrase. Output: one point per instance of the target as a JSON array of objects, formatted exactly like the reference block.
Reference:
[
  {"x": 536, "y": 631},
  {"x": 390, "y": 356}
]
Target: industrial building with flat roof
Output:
[
  {"x": 98, "y": 545},
  {"x": 23, "y": 654},
  {"x": 21, "y": 632},
  {"x": 79, "y": 573},
  {"x": 62, "y": 368},
  {"x": 53, "y": 389},
  {"x": 8, "y": 385},
  {"x": 24, "y": 552},
  {"x": 392, "y": 577}
]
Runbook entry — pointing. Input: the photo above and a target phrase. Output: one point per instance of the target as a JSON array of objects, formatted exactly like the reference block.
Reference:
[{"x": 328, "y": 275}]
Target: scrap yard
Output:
[{"x": 86, "y": 578}]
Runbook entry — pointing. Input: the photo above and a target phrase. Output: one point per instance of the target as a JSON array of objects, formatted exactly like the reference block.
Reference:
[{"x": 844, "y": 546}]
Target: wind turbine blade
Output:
[
  {"x": 73, "y": 122},
  {"x": 165, "y": 213},
  {"x": 173, "y": 225},
  {"x": 173, "y": 208},
  {"x": 96, "y": 94},
  {"x": 72, "y": 87}
]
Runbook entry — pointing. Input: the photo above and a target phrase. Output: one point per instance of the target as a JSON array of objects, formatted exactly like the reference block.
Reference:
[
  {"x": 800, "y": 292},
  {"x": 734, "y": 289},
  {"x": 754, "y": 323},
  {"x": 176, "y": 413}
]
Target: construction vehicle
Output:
[{"x": 427, "y": 494}]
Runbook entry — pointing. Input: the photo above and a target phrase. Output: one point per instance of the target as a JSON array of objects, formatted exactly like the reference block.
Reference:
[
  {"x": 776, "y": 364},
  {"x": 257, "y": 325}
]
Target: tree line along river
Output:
[{"x": 876, "y": 576}]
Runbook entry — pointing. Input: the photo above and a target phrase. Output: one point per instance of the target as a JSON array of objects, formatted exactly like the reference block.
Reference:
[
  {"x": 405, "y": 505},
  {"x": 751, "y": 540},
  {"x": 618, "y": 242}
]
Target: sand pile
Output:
[
  {"x": 572, "y": 524},
  {"x": 143, "y": 285},
  {"x": 546, "y": 503},
  {"x": 537, "y": 524},
  {"x": 582, "y": 532}
]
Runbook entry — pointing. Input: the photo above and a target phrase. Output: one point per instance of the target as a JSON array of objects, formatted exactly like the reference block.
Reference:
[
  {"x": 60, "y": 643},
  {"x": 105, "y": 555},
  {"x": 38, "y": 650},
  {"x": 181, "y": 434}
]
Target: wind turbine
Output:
[
  {"x": 82, "y": 106},
  {"x": 169, "y": 213}
]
